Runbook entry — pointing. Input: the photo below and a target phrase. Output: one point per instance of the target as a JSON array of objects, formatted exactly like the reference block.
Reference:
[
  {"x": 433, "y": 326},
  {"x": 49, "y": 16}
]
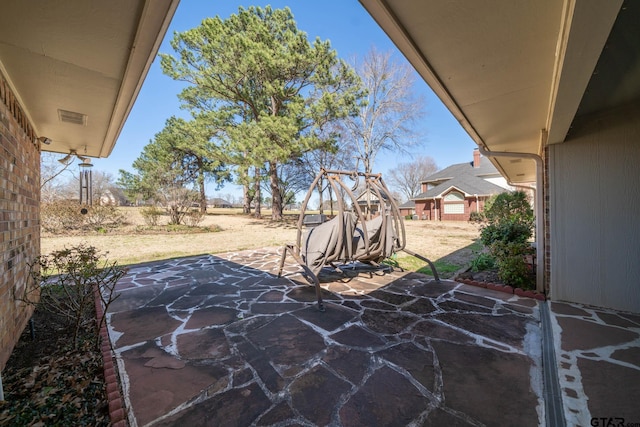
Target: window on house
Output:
[{"x": 454, "y": 203}]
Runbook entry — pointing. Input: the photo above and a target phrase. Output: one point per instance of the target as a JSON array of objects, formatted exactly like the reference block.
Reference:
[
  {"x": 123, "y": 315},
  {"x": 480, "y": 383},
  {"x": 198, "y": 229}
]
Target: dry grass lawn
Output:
[{"x": 450, "y": 243}]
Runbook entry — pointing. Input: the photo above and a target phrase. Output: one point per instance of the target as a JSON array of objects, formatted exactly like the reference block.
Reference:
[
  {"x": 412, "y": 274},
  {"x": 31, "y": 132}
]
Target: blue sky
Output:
[{"x": 351, "y": 31}]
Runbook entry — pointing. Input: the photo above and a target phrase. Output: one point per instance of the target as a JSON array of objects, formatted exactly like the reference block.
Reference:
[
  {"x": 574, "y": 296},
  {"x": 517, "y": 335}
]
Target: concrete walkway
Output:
[{"x": 222, "y": 341}]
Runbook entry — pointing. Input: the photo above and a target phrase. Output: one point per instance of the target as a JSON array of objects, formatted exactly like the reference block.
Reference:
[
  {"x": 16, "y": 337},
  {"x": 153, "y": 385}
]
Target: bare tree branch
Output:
[
  {"x": 386, "y": 120},
  {"x": 407, "y": 177}
]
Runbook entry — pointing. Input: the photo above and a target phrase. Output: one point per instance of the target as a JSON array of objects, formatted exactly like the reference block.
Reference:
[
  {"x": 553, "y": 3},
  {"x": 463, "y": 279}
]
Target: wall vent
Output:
[{"x": 72, "y": 117}]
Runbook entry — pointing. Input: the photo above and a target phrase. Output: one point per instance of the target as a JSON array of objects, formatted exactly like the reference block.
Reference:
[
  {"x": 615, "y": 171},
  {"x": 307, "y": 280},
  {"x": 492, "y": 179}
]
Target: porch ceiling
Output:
[
  {"x": 79, "y": 56},
  {"x": 515, "y": 74}
]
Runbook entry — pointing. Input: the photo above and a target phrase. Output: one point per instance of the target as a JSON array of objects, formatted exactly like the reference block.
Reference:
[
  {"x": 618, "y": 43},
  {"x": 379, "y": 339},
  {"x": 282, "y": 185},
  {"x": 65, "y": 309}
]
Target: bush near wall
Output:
[
  {"x": 509, "y": 226},
  {"x": 64, "y": 216}
]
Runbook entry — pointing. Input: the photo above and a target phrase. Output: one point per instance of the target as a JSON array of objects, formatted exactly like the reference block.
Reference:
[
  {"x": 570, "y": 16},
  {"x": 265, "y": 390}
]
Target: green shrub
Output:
[
  {"x": 509, "y": 227},
  {"x": 66, "y": 282},
  {"x": 484, "y": 261},
  {"x": 511, "y": 263},
  {"x": 509, "y": 219},
  {"x": 476, "y": 217}
]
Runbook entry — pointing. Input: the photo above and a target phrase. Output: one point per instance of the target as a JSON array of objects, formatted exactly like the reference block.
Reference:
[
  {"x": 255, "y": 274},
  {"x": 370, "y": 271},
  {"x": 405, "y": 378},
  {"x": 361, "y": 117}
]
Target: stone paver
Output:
[
  {"x": 598, "y": 353},
  {"x": 221, "y": 340}
]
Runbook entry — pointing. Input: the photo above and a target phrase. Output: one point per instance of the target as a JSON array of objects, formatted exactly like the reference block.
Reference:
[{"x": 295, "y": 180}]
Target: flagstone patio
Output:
[{"x": 221, "y": 340}]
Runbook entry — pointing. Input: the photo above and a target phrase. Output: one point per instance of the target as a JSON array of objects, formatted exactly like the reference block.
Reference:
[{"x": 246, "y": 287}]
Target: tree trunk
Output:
[
  {"x": 203, "y": 195},
  {"x": 257, "y": 195},
  {"x": 276, "y": 196},
  {"x": 320, "y": 184},
  {"x": 246, "y": 200}
]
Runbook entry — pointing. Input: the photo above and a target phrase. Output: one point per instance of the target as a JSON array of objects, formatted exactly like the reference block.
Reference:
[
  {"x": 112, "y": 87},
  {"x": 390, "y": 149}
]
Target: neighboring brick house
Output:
[
  {"x": 369, "y": 202},
  {"x": 220, "y": 203},
  {"x": 407, "y": 208},
  {"x": 454, "y": 192}
]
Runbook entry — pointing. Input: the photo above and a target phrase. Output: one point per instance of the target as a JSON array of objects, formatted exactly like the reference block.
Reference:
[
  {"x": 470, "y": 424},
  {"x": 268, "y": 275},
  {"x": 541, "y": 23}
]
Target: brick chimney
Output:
[{"x": 476, "y": 158}]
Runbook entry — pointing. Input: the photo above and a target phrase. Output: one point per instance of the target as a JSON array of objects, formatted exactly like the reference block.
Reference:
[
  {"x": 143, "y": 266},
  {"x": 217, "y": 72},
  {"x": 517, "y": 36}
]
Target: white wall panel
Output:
[{"x": 594, "y": 205}]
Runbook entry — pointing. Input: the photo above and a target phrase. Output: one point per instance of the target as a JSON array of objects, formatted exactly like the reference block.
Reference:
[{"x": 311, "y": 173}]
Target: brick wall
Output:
[
  {"x": 427, "y": 210},
  {"x": 19, "y": 215}
]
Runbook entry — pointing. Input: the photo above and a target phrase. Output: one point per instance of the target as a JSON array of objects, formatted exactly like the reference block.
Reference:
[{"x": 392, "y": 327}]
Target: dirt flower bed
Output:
[{"x": 47, "y": 382}]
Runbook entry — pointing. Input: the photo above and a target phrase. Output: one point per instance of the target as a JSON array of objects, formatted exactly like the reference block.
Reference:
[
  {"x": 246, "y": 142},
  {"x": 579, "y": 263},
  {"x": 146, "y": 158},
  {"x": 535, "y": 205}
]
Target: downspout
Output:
[
  {"x": 540, "y": 260},
  {"x": 1, "y": 390}
]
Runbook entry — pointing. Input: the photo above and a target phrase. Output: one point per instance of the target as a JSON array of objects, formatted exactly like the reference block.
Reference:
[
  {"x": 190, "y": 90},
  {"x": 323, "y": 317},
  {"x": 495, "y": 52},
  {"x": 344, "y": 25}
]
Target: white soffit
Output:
[
  {"x": 499, "y": 66},
  {"x": 80, "y": 58}
]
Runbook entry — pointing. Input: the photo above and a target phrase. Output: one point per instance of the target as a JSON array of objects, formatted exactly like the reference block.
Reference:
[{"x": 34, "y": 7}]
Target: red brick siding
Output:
[
  {"x": 433, "y": 210},
  {"x": 19, "y": 215},
  {"x": 406, "y": 211}
]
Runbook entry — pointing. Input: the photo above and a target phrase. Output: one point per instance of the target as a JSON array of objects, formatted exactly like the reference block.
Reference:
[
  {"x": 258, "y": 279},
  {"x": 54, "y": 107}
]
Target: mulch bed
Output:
[{"x": 48, "y": 382}]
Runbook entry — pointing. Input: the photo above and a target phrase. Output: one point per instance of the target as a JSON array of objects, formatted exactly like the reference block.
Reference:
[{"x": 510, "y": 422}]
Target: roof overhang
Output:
[
  {"x": 77, "y": 66},
  {"x": 514, "y": 74}
]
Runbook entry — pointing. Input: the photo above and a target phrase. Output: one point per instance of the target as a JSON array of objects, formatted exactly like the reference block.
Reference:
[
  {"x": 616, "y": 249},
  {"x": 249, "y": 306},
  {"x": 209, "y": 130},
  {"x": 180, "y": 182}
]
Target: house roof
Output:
[
  {"x": 360, "y": 198},
  {"x": 516, "y": 74},
  {"x": 409, "y": 204},
  {"x": 465, "y": 178},
  {"x": 485, "y": 169},
  {"x": 77, "y": 66}
]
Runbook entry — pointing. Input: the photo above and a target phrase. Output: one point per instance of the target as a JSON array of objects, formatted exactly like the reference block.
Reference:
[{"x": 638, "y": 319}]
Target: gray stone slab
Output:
[
  {"x": 287, "y": 341},
  {"x": 134, "y": 298},
  {"x": 234, "y": 408},
  {"x": 613, "y": 390},
  {"x": 211, "y": 316},
  {"x": 142, "y": 324},
  {"x": 434, "y": 330},
  {"x": 441, "y": 417},
  {"x": 331, "y": 319},
  {"x": 387, "y": 322},
  {"x": 568, "y": 309},
  {"x": 316, "y": 393},
  {"x": 391, "y": 298},
  {"x": 351, "y": 364},
  {"x": 421, "y": 306},
  {"x": 584, "y": 335},
  {"x": 355, "y": 336},
  {"x": 418, "y": 362},
  {"x": 509, "y": 329},
  {"x": 455, "y": 305},
  {"x": 433, "y": 289},
  {"x": 489, "y": 386},
  {"x": 261, "y": 365},
  {"x": 629, "y": 355},
  {"x": 274, "y": 307},
  {"x": 210, "y": 344},
  {"x": 158, "y": 390},
  {"x": 475, "y": 299},
  {"x": 277, "y": 414},
  {"x": 386, "y": 399}
]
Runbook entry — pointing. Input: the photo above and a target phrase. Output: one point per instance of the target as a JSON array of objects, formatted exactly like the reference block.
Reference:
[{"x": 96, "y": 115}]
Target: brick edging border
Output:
[
  {"x": 114, "y": 397},
  {"x": 505, "y": 288}
]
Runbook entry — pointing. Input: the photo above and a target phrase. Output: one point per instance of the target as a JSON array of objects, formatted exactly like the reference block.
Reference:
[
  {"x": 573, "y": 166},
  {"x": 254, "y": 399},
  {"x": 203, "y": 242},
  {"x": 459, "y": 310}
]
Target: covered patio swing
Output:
[{"x": 357, "y": 237}]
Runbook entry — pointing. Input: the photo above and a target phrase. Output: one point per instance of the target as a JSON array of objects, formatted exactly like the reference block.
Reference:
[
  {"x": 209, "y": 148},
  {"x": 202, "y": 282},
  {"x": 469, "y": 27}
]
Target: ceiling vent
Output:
[{"x": 72, "y": 117}]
